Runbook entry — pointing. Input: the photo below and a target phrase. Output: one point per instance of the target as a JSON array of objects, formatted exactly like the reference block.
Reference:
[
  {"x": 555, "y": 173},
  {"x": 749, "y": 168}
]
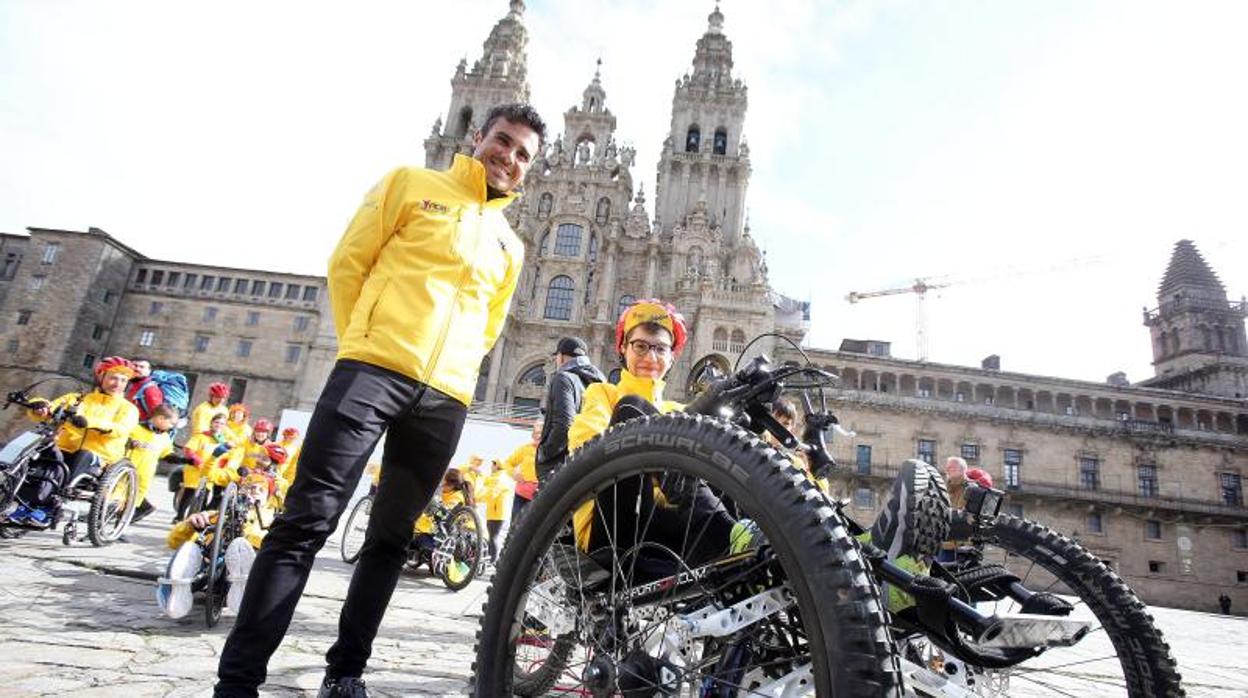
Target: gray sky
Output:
[{"x": 1046, "y": 155}]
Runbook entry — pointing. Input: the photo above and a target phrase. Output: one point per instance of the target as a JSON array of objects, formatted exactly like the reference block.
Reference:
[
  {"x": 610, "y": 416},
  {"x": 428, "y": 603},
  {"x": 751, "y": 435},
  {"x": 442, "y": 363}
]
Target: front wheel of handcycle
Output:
[
  {"x": 1122, "y": 652},
  {"x": 112, "y": 506},
  {"x": 460, "y": 551},
  {"x": 214, "y": 591},
  {"x": 633, "y": 580},
  {"x": 353, "y": 532}
]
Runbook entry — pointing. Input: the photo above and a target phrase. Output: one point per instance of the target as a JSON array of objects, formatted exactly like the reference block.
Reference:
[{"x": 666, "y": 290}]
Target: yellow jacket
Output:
[
  {"x": 450, "y": 498},
  {"x": 111, "y": 413},
  {"x": 422, "y": 278},
  {"x": 223, "y": 470},
  {"x": 252, "y": 530},
  {"x": 522, "y": 463},
  {"x": 594, "y": 418},
  {"x": 201, "y": 416},
  {"x": 497, "y": 491},
  {"x": 237, "y": 432},
  {"x": 286, "y": 473},
  {"x": 200, "y": 446},
  {"x": 147, "y": 448}
]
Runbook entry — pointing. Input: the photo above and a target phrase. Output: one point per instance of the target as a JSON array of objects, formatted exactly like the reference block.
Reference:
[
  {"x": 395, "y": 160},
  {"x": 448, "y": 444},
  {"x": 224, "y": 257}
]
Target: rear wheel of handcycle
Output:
[
  {"x": 353, "y": 532},
  {"x": 663, "y": 607},
  {"x": 112, "y": 506},
  {"x": 1123, "y": 654},
  {"x": 462, "y": 547},
  {"x": 214, "y": 591},
  {"x": 11, "y": 479}
]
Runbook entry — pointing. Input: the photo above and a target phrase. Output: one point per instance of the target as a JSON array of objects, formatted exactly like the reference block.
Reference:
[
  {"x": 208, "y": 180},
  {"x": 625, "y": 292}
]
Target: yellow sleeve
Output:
[
  {"x": 500, "y": 301},
  {"x": 52, "y": 405},
  {"x": 124, "y": 419},
  {"x": 225, "y": 469},
  {"x": 357, "y": 251},
  {"x": 184, "y": 531},
  {"x": 594, "y": 417}
]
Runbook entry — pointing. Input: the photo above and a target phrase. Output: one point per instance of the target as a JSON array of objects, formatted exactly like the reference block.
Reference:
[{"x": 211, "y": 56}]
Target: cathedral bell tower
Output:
[
  {"x": 1198, "y": 335},
  {"x": 498, "y": 77}
]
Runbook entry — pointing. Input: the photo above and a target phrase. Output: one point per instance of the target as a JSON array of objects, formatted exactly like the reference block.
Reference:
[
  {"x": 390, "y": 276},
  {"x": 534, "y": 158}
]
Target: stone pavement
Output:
[{"x": 83, "y": 621}]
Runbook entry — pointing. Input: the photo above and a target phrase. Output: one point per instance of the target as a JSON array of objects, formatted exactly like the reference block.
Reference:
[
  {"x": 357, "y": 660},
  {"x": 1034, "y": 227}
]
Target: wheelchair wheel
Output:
[
  {"x": 11, "y": 479},
  {"x": 112, "y": 505},
  {"x": 199, "y": 500},
  {"x": 461, "y": 548},
  {"x": 214, "y": 591},
  {"x": 660, "y": 604},
  {"x": 353, "y": 532}
]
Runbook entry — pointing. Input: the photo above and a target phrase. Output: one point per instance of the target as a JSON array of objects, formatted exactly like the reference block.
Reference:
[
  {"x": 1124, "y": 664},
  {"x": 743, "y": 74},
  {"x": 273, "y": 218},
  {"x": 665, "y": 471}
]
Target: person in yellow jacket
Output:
[
  {"x": 289, "y": 441},
  {"x": 522, "y": 466},
  {"x": 649, "y": 335},
  {"x": 92, "y": 439},
  {"x": 202, "y": 449},
  {"x": 150, "y": 443},
  {"x": 419, "y": 287},
  {"x": 201, "y": 416},
  {"x": 497, "y": 489},
  {"x": 237, "y": 427},
  {"x": 192, "y": 540}
]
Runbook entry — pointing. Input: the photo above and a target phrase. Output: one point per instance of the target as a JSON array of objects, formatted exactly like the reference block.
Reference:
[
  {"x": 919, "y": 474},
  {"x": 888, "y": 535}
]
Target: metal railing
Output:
[{"x": 503, "y": 412}]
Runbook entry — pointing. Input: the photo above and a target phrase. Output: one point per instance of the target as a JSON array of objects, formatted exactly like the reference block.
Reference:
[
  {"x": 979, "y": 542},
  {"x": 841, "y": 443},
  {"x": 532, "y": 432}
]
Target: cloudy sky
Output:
[{"x": 1042, "y": 157}]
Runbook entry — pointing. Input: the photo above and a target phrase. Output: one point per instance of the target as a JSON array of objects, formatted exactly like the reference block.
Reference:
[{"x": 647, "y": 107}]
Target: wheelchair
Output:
[
  {"x": 454, "y": 552},
  {"x": 31, "y": 459}
]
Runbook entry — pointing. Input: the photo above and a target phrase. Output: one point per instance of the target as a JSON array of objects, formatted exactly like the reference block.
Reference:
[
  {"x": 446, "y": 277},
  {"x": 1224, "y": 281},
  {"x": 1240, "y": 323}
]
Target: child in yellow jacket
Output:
[
  {"x": 497, "y": 489},
  {"x": 203, "y": 449},
  {"x": 150, "y": 443}
]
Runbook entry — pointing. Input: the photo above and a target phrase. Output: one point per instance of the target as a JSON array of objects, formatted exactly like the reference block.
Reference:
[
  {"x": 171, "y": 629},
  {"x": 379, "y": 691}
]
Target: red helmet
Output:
[
  {"x": 656, "y": 311},
  {"x": 114, "y": 364},
  {"x": 262, "y": 424},
  {"x": 276, "y": 452},
  {"x": 219, "y": 390},
  {"x": 290, "y": 433},
  {"x": 980, "y": 477}
]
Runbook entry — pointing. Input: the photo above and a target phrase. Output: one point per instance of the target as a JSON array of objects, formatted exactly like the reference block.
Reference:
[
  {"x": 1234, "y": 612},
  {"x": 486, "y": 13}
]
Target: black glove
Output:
[
  {"x": 78, "y": 420},
  {"x": 178, "y": 459},
  {"x": 243, "y": 471}
]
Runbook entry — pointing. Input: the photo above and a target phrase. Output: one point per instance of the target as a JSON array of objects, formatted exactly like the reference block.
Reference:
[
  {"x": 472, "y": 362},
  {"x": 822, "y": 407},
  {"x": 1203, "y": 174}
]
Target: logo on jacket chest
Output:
[{"x": 429, "y": 205}]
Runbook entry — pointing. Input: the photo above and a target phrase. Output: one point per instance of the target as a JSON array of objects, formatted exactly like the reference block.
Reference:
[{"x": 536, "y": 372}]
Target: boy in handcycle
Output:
[
  {"x": 192, "y": 541},
  {"x": 91, "y": 440},
  {"x": 455, "y": 490}
]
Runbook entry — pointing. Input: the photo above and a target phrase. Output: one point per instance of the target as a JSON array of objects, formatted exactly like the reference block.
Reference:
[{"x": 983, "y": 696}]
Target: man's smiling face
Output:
[{"x": 507, "y": 151}]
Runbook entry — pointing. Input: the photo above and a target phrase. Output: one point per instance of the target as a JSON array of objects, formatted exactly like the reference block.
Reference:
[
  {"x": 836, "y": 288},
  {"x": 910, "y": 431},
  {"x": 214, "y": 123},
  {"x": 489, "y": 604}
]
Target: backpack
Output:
[{"x": 172, "y": 387}]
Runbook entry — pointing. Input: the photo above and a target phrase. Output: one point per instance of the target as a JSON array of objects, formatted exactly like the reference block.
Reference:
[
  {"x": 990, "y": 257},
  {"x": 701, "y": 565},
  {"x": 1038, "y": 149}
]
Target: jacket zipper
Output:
[{"x": 459, "y": 286}]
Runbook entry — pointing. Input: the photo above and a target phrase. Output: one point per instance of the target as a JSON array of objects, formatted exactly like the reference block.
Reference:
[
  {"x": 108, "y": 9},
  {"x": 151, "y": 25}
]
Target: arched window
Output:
[
  {"x": 603, "y": 211},
  {"x": 568, "y": 240},
  {"x": 737, "y": 344},
  {"x": 535, "y": 375},
  {"x": 720, "y": 146},
  {"x": 544, "y": 205},
  {"x": 559, "y": 298},
  {"x": 719, "y": 339},
  {"x": 593, "y": 247},
  {"x": 625, "y": 301},
  {"x": 693, "y": 139},
  {"x": 465, "y": 120}
]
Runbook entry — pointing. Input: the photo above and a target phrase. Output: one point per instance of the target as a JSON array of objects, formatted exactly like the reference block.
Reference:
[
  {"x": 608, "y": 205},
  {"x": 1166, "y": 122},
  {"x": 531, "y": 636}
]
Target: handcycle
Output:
[
  {"x": 453, "y": 552},
  {"x": 801, "y": 613},
  {"x": 33, "y": 455}
]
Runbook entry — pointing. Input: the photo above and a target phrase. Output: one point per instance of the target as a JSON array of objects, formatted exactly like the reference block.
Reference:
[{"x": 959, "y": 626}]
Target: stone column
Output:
[
  {"x": 652, "y": 259},
  {"x": 606, "y": 286},
  {"x": 496, "y": 363}
]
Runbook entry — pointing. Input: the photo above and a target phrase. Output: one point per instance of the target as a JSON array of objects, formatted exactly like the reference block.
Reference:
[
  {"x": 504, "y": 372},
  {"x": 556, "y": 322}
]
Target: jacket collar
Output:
[
  {"x": 469, "y": 172},
  {"x": 649, "y": 388},
  {"x": 574, "y": 362}
]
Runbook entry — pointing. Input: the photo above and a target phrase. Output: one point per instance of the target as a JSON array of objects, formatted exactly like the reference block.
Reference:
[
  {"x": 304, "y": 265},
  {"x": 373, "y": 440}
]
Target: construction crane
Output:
[{"x": 919, "y": 288}]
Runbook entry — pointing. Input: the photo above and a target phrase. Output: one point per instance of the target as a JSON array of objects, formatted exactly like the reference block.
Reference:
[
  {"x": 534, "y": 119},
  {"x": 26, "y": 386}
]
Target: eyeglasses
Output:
[{"x": 641, "y": 347}]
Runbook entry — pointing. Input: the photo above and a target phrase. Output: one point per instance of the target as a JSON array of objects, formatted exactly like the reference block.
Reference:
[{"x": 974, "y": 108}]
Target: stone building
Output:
[
  {"x": 68, "y": 298},
  {"x": 1148, "y": 476}
]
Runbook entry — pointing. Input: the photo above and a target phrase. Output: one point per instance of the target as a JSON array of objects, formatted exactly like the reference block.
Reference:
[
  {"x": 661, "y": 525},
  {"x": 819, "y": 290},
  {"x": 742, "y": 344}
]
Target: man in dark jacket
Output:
[{"x": 573, "y": 374}]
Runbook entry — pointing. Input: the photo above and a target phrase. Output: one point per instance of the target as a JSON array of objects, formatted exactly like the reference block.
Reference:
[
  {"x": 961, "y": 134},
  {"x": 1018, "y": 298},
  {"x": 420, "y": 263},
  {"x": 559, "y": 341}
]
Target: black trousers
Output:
[
  {"x": 493, "y": 527},
  {"x": 693, "y": 529},
  {"x": 359, "y": 403}
]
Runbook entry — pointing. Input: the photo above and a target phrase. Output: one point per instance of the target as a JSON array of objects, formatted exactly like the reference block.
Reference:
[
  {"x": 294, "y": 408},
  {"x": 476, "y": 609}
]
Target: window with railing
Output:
[
  {"x": 568, "y": 240},
  {"x": 926, "y": 451},
  {"x": 1089, "y": 473},
  {"x": 1146, "y": 475},
  {"x": 863, "y": 461},
  {"x": 1013, "y": 462},
  {"x": 1232, "y": 492},
  {"x": 559, "y": 298},
  {"x": 970, "y": 453}
]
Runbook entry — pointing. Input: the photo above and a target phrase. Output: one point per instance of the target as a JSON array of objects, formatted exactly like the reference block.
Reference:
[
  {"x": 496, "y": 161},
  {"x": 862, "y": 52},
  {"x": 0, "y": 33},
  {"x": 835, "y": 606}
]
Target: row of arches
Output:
[
  {"x": 1042, "y": 400},
  {"x": 693, "y": 140},
  {"x": 729, "y": 342}
]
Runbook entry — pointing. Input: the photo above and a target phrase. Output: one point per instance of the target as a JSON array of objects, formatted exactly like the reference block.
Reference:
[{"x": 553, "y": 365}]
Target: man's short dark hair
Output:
[
  {"x": 163, "y": 410},
  {"x": 516, "y": 113}
]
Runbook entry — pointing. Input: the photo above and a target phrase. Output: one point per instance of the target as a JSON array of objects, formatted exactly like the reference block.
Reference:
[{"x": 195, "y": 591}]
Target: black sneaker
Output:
[
  {"x": 342, "y": 687},
  {"x": 915, "y": 520},
  {"x": 142, "y": 511}
]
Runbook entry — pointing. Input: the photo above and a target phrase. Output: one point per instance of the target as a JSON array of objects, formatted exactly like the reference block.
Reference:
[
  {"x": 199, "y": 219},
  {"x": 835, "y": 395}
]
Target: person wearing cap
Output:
[
  {"x": 201, "y": 416},
  {"x": 649, "y": 336},
  {"x": 419, "y": 287},
  {"x": 92, "y": 439},
  {"x": 573, "y": 374}
]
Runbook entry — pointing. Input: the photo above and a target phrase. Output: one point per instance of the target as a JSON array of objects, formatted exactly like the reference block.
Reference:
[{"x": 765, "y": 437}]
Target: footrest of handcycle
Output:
[{"x": 1025, "y": 630}]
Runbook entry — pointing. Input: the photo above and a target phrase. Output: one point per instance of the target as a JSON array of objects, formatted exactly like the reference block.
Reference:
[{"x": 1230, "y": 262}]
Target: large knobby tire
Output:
[
  {"x": 1148, "y": 669},
  {"x": 464, "y": 531},
  {"x": 112, "y": 506},
  {"x": 836, "y": 605},
  {"x": 353, "y": 533},
  {"x": 214, "y": 592}
]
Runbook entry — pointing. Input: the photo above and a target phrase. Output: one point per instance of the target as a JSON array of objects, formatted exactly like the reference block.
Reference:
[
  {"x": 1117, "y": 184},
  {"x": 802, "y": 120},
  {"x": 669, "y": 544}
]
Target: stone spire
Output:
[
  {"x": 1188, "y": 270},
  {"x": 594, "y": 98},
  {"x": 712, "y": 61}
]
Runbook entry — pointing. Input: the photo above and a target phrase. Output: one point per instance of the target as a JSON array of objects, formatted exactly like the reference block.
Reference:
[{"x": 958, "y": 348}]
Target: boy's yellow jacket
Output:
[
  {"x": 595, "y": 416},
  {"x": 201, "y": 416},
  {"x": 147, "y": 448},
  {"x": 238, "y": 432},
  {"x": 200, "y": 447},
  {"x": 422, "y": 278},
  {"x": 103, "y": 412},
  {"x": 450, "y": 498}
]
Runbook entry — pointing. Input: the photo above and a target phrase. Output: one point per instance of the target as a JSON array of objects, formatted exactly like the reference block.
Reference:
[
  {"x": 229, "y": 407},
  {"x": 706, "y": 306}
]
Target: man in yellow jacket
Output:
[
  {"x": 419, "y": 287},
  {"x": 522, "y": 466},
  {"x": 201, "y": 416}
]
